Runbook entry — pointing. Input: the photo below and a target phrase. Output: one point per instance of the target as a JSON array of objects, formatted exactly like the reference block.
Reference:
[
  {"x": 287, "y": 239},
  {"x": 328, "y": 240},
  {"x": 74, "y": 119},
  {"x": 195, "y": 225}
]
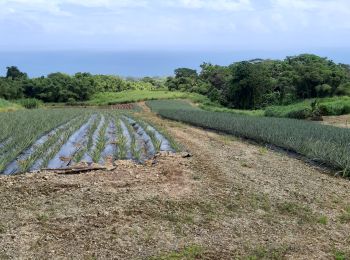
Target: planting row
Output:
[
  {"x": 57, "y": 139},
  {"x": 325, "y": 144}
]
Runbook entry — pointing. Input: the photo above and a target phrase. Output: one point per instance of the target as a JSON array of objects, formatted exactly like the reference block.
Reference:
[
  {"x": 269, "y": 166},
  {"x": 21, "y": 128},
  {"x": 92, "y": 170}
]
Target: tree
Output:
[
  {"x": 185, "y": 73},
  {"x": 14, "y": 73}
]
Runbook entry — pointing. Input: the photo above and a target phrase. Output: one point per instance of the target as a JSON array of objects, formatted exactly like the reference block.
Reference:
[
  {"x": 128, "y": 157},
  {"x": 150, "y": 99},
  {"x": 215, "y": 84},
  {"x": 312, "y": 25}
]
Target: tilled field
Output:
[{"x": 72, "y": 137}]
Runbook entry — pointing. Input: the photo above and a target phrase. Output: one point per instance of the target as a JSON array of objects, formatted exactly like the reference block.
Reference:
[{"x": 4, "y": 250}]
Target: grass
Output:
[
  {"x": 215, "y": 108},
  {"x": 323, "y": 220},
  {"x": 340, "y": 255},
  {"x": 157, "y": 105},
  {"x": 188, "y": 253},
  {"x": 132, "y": 96},
  {"x": 303, "y": 213},
  {"x": 268, "y": 253},
  {"x": 326, "y": 107},
  {"x": 29, "y": 103},
  {"x": 324, "y": 144},
  {"x": 345, "y": 216},
  {"x": 6, "y": 106}
]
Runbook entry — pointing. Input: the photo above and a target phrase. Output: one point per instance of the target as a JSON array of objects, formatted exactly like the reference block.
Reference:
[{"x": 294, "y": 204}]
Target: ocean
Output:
[{"x": 137, "y": 63}]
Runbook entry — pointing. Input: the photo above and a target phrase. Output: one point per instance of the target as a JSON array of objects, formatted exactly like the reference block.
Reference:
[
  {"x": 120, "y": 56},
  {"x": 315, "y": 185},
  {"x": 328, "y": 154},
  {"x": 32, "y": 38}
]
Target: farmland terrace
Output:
[{"x": 215, "y": 197}]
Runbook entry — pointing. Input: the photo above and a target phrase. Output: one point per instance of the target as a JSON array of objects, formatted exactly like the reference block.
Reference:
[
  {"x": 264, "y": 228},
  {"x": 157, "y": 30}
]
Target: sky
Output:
[
  {"x": 246, "y": 28},
  {"x": 174, "y": 24}
]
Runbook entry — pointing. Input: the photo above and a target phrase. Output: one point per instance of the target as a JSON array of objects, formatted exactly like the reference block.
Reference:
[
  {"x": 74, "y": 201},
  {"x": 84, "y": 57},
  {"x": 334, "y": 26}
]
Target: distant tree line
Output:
[
  {"x": 245, "y": 85},
  {"x": 259, "y": 83},
  {"x": 60, "y": 87}
]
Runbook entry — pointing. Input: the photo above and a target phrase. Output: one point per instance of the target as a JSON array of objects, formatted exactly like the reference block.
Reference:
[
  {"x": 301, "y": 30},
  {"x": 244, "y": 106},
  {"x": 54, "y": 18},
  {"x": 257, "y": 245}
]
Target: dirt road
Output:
[{"x": 232, "y": 199}]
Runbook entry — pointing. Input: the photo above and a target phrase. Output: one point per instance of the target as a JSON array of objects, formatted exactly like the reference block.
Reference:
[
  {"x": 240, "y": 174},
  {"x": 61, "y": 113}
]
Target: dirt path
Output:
[{"x": 232, "y": 199}]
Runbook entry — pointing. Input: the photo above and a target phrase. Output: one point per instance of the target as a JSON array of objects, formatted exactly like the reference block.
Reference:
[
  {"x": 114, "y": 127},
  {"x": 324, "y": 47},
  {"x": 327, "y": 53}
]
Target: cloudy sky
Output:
[{"x": 174, "y": 24}]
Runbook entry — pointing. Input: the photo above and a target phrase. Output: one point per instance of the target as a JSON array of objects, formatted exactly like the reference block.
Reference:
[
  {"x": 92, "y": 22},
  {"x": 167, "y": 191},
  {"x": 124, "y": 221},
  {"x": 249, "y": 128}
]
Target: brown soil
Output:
[
  {"x": 341, "y": 121},
  {"x": 232, "y": 199}
]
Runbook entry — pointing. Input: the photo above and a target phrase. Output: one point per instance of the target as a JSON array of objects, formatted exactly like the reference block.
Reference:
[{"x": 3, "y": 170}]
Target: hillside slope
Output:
[{"x": 231, "y": 199}]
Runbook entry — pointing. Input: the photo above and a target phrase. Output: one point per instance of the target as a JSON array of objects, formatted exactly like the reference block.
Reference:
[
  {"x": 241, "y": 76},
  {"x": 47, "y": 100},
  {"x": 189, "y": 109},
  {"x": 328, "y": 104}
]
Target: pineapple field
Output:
[{"x": 61, "y": 138}]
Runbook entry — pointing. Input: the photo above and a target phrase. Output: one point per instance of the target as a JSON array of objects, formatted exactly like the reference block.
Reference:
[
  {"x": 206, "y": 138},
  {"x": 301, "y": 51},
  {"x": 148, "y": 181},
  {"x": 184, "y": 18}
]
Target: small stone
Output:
[{"x": 186, "y": 155}]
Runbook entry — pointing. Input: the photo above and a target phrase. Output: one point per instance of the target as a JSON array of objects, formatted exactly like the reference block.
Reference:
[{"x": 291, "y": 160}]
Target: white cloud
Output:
[
  {"x": 176, "y": 22},
  {"x": 217, "y": 5}
]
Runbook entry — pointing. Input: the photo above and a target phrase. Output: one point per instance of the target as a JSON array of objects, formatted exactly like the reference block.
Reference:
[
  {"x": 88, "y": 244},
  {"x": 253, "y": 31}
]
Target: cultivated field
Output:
[
  {"x": 324, "y": 144},
  {"x": 59, "y": 138},
  {"x": 224, "y": 198}
]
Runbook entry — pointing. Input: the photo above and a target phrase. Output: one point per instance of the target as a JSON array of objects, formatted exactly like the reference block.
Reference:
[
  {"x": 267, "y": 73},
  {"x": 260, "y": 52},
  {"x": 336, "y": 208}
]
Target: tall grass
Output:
[
  {"x": 8, "y": 106},
  {"x": 132, "y": 96},
  {"x": 325, "y": 144},
  {"x": 29, "y": 103}
]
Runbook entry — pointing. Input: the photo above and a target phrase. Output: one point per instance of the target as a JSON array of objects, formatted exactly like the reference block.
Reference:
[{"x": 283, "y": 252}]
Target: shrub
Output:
[
  {"x": 296, "y": 111},
  {"x": 30, "y": 103}
]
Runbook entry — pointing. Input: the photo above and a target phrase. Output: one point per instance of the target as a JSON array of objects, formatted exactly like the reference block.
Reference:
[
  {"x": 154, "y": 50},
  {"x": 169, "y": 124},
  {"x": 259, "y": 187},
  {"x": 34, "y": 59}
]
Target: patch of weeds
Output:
[
  {"x": 226, "y": 139},
  {"x": 2, "y": 229},
  {"x": 196, "y": 177},
  {"x": 340, "y": 255},
  {"x": 268, "y": 253},
  {"x": 304, "y": 213},
  {"x": 186, "y": 212},
  {"x": 323, "y": 220},
  {"x": 42, "y": 217},
  {"x": 188, "y": 253},
  {"x": 345, "y": 217},
  {"x": 263, "y": 150},
  {"x": 261, "y": 201}
]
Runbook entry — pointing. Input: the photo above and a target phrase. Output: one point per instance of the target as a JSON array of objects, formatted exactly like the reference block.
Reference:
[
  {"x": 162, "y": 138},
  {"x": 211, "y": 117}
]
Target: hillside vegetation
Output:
[
  {"x": 256, "y": 84},
  {"x": 246, "y": 85}
]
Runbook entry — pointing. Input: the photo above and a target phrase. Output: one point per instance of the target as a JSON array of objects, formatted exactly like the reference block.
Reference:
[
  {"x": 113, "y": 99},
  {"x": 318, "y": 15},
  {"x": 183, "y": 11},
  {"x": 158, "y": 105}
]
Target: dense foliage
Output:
[
  {"x": 259, "y": 83},
  {"x": 59, "y": 87},
  {"x": 326, "y": 144}
]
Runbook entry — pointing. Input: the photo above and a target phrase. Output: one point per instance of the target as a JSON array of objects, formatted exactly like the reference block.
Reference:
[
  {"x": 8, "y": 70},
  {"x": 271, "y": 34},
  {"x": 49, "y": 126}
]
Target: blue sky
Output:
[{"x": 216, "y": 25}]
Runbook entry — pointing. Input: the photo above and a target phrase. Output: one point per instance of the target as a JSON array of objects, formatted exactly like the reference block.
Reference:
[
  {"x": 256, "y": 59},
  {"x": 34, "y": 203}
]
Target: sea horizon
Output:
[{"x": 139, "y": 63}]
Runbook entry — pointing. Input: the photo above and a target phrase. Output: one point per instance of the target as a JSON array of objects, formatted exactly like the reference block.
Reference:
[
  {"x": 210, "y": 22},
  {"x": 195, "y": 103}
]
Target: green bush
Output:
[
  {"x": 296, "y": 111},
  {"x": 334, "y": 106},
  {"x": 30, "y": 103}
]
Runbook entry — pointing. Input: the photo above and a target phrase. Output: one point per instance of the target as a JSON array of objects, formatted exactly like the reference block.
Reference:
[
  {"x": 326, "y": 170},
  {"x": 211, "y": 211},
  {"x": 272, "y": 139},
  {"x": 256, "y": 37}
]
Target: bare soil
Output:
[
  {"x": 340, "y": 121},
  {"x": 230, "y": 200}
]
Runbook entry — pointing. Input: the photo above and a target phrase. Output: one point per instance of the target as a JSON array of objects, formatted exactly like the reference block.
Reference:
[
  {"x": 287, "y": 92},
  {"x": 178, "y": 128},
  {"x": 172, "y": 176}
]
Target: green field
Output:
[
  {"x": 132, "y": 96},
  {"x": 325, "y": 144}
]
